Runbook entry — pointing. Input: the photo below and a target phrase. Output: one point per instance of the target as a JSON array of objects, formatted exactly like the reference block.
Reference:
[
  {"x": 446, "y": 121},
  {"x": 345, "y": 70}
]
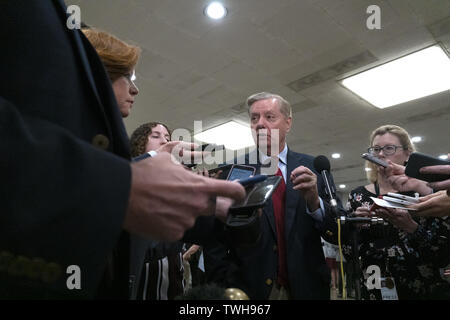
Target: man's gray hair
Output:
[{"x": 285, "y": 107}]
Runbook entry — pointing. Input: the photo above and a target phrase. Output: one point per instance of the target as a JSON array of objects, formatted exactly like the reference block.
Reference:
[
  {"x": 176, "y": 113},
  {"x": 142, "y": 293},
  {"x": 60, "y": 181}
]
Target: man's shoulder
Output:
[{"x": 301, "y": 156}]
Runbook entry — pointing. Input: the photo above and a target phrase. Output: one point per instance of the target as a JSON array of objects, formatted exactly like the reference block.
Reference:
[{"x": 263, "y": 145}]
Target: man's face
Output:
[{"x": 265, "y": 119}]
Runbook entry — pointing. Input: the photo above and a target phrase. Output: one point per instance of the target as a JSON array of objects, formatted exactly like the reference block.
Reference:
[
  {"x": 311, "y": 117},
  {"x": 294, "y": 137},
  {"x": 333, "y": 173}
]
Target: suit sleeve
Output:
[{"x": 62, "y": 203}]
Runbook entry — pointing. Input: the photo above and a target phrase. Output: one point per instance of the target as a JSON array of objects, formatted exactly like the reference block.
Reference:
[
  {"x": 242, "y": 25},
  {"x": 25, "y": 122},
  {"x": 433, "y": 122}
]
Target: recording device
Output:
[
  {"x": 374, "y": 159},
  {"x": 418, "y": 160},
  {"x": 258, "y": 193},
  {"x": 243, "y": 224},
  {"x": 322, "y": 165},
  {"x": 372, "y": 220},
  {"x": 233, "y": 171}
]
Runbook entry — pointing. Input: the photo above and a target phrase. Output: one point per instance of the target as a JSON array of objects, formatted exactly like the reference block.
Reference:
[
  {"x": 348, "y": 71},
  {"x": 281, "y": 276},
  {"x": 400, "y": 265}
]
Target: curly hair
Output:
[
  {"x": 118, "y": 57},
  {"x": 139, "y": 137}
]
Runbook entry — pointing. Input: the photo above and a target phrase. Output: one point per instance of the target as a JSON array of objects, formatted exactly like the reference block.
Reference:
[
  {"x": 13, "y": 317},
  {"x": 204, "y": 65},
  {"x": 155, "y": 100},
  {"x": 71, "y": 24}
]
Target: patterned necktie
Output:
[{"x": 278, "y": 199}]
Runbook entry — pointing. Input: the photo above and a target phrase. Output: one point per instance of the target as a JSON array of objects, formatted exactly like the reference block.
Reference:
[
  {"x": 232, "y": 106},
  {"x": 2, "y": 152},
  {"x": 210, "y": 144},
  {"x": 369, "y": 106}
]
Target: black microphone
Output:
[{"x": 322, "y": 165}]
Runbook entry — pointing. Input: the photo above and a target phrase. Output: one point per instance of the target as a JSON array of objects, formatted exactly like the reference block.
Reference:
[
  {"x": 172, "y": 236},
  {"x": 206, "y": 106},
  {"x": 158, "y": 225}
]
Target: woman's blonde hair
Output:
[
  {"x": 118, "y": 57},
  {"x": 397, "y": 131}
]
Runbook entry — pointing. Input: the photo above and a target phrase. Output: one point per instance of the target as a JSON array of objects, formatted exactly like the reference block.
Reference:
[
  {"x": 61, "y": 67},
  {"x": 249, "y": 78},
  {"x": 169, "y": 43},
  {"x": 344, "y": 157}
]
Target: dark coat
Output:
[{"x": 64, "y": 165}]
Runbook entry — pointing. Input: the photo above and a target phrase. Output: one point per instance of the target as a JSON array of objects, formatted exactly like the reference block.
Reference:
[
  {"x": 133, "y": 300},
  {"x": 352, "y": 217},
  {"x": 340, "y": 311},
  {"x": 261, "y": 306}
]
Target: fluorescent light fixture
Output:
[
  {"x": 416, "y": 139},
  {"x": 411, "y": 77},
  {"x": 342, "y": 186},
  {"x": 336, "y": 155},
  {"x": 368, "y": 169},
  {"x": 232, "y": 135},
  {"x": 216, "y": 10},
  {"x": 443, "y": 157}
]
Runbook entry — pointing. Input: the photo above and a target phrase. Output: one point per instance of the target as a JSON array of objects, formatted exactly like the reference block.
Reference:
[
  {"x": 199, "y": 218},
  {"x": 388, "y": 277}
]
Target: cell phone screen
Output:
[{"x": 240, "y": 173}]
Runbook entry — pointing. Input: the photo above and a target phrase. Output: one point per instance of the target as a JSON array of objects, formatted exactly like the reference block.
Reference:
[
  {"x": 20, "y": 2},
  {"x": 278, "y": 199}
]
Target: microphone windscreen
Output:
[{"x": 321, "y": 163}]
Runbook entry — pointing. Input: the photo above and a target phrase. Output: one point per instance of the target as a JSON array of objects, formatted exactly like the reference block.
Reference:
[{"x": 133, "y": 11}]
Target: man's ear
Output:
[{"x": 289, "y": 123}]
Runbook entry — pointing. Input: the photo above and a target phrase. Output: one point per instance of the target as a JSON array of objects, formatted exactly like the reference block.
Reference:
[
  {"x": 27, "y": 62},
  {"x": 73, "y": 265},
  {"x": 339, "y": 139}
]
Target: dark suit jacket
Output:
[
  {"x": 254, "y": 268},
  {"x": 64, "y": 168}
]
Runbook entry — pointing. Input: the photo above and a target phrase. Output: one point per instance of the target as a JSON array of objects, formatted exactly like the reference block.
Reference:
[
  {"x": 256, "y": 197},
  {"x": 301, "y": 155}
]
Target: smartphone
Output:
[
  {"x": 383, "y": 203},
  {"x": 396, "y": 200},
  {"x": 258, "y": 194},
  {"x": 225, "y": 171},
  {"x": 401, "y": 196},
  {"x": 252, "y": 180},
  {"x": 418, "y": 160},
  {"x": 374, "y": 159},
  {"x": 240, "y": 172}
]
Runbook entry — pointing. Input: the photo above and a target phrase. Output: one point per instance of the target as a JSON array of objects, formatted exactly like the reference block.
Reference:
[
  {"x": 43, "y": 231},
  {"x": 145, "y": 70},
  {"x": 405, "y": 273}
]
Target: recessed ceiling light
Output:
[
  {"x": 216, "y": 10},
  {"x": 443, "y": 157},
  {"x": 411, "y": 77},
  {"x": 232, "y": 135},
  {"x": 336, "y": 155},
  {"x": 342, "y": 186},
  {"x": 416, "y": 139}
]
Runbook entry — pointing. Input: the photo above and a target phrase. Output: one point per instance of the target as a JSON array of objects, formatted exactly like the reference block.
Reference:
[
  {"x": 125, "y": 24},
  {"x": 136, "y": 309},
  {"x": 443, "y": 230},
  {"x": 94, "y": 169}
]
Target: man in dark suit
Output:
[
  {"x": 287, "y": 262},
  {"x": 68, "y": 193}
]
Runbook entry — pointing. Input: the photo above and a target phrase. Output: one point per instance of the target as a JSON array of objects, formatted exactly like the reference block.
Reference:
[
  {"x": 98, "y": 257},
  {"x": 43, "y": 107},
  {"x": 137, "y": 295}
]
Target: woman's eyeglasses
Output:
[{"x": 387, "y": 149}]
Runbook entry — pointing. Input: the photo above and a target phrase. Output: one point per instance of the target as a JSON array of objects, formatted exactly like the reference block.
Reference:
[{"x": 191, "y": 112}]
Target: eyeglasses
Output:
[
  {"x": 387, "y": 149},
  {"x": 131, "y": 77}
]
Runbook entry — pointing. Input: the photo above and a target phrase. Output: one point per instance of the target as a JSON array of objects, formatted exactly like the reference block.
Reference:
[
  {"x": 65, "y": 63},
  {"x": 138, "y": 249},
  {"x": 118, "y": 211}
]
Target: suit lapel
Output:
[
  {"x": 292, "y": 196},
  {"x": 268, "y": 209}
]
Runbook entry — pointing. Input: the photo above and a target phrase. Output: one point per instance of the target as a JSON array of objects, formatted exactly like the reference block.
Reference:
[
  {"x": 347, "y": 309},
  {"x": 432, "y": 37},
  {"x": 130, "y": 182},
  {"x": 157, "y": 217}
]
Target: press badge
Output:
[{"x": 388, "y": 290}]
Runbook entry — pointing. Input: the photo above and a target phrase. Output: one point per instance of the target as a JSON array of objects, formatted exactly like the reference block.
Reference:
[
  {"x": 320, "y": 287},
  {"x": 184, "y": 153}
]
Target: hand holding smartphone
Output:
[
  {"x": 418, "y": 160},
  {"x": 232, "y": 172},
  {"x": 259, "y": 193},
  {"x": 375, "y": 160}
]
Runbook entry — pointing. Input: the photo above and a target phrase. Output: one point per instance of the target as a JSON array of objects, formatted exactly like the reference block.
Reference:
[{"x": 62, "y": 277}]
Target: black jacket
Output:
[{"x": 64, "y": 165}]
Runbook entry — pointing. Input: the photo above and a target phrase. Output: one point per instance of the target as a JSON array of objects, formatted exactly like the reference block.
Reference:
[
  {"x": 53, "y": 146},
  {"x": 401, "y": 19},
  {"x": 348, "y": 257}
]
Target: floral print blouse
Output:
[{"x": 413, "y": 260}]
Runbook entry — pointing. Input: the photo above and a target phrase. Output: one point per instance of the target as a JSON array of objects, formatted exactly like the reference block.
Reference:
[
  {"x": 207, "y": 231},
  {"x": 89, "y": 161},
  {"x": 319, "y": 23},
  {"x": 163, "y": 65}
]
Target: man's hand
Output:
[
  {"x": 165, "y": 199},
  {"x": 396, "y": 177},
  {"x": 433, "y": 205},
  {"x": 305, "y": 181},
  {"x": 188, "y": 254},
  {"x": 183, "y": 152},
  {"x": 363, "y": 212},
  {"x": 399, "y": 218},
  {"x": 441, "y": 169}
]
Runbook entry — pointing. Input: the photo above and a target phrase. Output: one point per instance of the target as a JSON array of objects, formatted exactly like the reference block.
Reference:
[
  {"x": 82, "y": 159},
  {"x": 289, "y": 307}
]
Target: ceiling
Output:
[{"x": 194, "y": 68}]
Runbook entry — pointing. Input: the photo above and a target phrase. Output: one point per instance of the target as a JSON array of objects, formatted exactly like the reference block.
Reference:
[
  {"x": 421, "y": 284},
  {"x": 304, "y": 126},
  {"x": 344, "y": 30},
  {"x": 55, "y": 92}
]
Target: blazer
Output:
[
  {"x": 254, "y": 268},
  {"x": 65, "y": 172}
]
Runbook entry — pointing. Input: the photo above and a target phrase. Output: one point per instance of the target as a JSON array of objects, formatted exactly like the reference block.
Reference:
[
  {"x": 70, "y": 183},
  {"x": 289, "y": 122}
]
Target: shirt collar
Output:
[{"x": 282, "y": 156}]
